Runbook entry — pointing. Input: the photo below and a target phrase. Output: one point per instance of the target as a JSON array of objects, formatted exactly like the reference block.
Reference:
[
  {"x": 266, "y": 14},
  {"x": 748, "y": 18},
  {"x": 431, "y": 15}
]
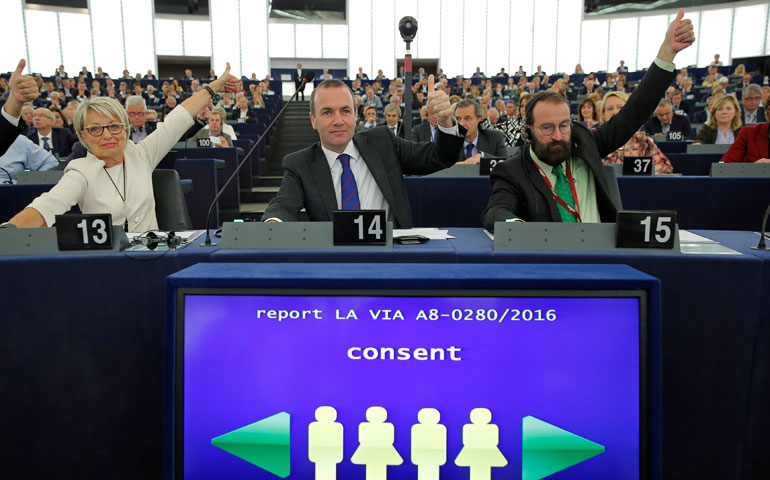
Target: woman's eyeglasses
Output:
[{"x": 98, "y": 130}]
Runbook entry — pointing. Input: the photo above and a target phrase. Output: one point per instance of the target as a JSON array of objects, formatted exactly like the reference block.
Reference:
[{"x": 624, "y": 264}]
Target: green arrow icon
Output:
[
  {"x": 264, "y": 443},
  {"x": 547, "y": 449}
]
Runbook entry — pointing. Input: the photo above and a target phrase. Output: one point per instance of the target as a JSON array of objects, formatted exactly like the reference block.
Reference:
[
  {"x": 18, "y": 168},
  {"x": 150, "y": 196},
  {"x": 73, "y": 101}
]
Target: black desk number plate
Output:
[
  {"x": 486, "y": 164},
  {"x": 646, "y": 229},
  {"x": 359, "y": 227},
  {"x": 673, "y": 136},
  {"x": 84, "y": 232},
  {"x": 637, "y": 166},
  {"x": 204, "y": 142}
]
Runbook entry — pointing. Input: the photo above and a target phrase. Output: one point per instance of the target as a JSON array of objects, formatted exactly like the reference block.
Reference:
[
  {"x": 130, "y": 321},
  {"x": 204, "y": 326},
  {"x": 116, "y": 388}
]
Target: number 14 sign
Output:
[{"x": 360, "y": 227}]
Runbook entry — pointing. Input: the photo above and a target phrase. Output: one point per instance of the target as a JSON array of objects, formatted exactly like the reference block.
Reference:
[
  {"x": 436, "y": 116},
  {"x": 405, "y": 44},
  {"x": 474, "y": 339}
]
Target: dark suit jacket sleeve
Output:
[
  {"x": 427, "y": 158},
  {"x": 495, "y": 144},
  {"x": 612, "y": 135},
  {"x": 706, "y": 135},
  {"x": 290, "y": 198},
  {"x": 8, "y": 133},
  {"x": 504, "y": 201}
]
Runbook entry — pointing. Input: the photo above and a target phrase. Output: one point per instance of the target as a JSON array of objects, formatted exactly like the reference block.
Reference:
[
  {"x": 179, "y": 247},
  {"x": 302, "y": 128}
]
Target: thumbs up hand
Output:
[
  {"x": 23, "y": 89},
  {"x": 679, "y": 36},
  {"x": 438, "y": 104}
]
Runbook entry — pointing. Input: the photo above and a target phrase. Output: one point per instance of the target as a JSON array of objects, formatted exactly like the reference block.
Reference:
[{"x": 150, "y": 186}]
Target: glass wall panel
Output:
[
  {"x": 717, "y": 24},
  {"x": 474, "y": 22},
  {"x": 308, "y": 40},
  {"x": 749, "y": 30},
  {"x": 568, "y": 35},
  {"x": 108, "y": 37},
  {"x": 282, "y": 40},
  {"x": 76, "y": 46},
  {"x": 360, "y": 37},
  {"x": 43, "y": 43},
  {"x": 137, "y": 24},
  {"x": 498, "y": 36},
  {"x": 197, "y": 38},
  {"x": 335, "y": 41},
  {"x": 429, "y": 21},
  {"x": 254, "y": 42},
  {"x": 225, "y": 36},
  {"x": 451, "y": 37},
  {"x": 652, "y": 31},
  {"x": 169, "y": 36},
  {"x": 13, "y": 27},
  {"x": 384, "y": 39},
  {"x": 593, "y": 45},
  {"x": 521, "y": 35},
  {"x": 623, "y": 43},
  {"x": 544, "y": 51}
]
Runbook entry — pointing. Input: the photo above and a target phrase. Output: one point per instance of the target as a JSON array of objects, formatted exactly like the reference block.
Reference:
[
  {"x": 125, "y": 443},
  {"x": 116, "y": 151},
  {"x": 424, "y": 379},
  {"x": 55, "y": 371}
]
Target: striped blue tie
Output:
[{"x": 349, "y": 188}]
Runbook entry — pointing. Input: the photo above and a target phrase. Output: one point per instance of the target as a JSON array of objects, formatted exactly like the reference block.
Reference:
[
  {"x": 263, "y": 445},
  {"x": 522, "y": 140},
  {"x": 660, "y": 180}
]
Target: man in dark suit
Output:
[
  {"x": 23, "y": 88},
  {"x": 469, "y": 114},
  {"x": 55, "y": 140},
  {"x": 393, "y": 119},
  {"x": 665, "y": 123},
  {"x": 679, "y": 104},
  {"x": 533, "y": 185},
  {"x": 426, "y": 131},
  {"x": 751, "y": 97},
  {"x": 370, "y": 115},
  {"x": 242, "y": 113},
  {"x": 298, "y": 81},
  {"x": 374, "y": 161},
  {"x": 622, "y": 68}
]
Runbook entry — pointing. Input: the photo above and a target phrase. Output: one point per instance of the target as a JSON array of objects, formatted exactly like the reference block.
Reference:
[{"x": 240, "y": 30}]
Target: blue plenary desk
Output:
[
  {"x": 701, "y": 202},
  {"x": 83, "y": 380}
]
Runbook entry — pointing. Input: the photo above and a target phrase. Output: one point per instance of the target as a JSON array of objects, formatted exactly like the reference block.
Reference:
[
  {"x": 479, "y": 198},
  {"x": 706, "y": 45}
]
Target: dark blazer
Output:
[
  {"x": 701, "y": 116},
  {"x": 518, "y": 190},
  {"x": 491, "y": 142},
  {"x": 679, "y": 123},
  {"x": 298, "y": 80},
  {"x": 751, "y": 145},
  {"x": 307, "y": 181},
  {"x": 760, "y": 115},
  {"x": 421, "y": 132},
  {"x": 399, "y": 128},
  {"x": 63, "y": 140},
  {"x": 708, "y": 135},
  {"x": 8, "y": 133},
  {"x": 235, "y": 114}
]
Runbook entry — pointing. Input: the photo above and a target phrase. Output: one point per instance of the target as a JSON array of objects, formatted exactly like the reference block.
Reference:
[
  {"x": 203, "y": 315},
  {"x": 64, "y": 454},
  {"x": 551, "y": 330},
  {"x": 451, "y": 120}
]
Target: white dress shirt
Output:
[{"x": 369, "y": 193}]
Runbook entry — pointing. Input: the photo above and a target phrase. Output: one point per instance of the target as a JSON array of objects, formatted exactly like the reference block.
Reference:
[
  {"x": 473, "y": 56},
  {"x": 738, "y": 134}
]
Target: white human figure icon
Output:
[
  {"x": 428, "y": 444},
  {"x": 376, "y": 450},
  {"x": 480, "y": 440},
  {"x": 325, "y": 443}
]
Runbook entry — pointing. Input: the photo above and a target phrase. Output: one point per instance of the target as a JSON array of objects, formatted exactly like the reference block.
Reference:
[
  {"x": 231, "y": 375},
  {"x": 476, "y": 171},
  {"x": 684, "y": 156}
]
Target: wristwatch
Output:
[{"x": 7, "y": 225}]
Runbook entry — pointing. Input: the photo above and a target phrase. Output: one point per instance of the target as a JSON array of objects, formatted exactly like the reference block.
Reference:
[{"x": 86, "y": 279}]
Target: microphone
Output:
[
  {"x": 407, "y": 26},
  {"x": 761, "y": 244},
  {"x": 10, "y": 178},
  {"x": 306, "y": 77}
]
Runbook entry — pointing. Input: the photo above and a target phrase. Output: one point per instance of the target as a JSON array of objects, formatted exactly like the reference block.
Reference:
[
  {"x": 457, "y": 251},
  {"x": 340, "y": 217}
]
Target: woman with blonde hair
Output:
[
  {"x": 639, "y": 145},
  {"x": 723, "y": 124}
]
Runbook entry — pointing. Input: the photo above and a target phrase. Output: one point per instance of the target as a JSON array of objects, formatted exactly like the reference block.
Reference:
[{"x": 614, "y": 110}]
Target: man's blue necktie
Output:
[
  {"x": 46, "y": 146},
  {"x": 433, "y": 133},
  {"x": 349, "y": 188},
  {"x": 468, "y": 151}
]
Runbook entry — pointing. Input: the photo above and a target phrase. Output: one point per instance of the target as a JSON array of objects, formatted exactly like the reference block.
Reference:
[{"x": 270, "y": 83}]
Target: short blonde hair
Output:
[
  {"x": 736, "y": 124},
  {"x": 109, "y": 107},
  {"x": 621, "y": 95},
  {"x": 219, "y": 111}
]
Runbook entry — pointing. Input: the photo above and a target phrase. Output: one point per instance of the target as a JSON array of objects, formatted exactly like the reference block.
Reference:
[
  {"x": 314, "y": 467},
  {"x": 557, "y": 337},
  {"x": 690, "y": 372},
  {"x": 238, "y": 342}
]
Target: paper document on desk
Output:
[
  {"x": 686, "y": 236},
  {"x": 431, "y": 233}
]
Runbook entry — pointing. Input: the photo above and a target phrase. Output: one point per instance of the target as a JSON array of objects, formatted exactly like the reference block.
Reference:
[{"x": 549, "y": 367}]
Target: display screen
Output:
[{"x": 364, "y": 386}]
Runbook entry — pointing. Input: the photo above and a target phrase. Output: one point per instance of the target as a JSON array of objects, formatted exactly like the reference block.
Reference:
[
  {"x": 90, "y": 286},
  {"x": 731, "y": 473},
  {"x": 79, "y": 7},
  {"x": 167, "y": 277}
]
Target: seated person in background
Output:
[
  {"x": 503, "y": 126},
  {"x": 214, "y": 129},
  {"x": 588, "y": 114},
  {"x": 525, "y": 187},
  {"x": 54, "y": 140},
  {"x": 478, "y": 141},
  {"x": 370, "y": 119},
  {"x": 393, "y": 119},
  {"x": 513, "y": 137},
  {"x": 374, "y": 161},
  {"x": 149, "y": 75},
  {"x": 579, "y": 68},
  {"x": 622, "y": 68},
  {"x": 152, "y": 116},
  {"x": 137, "y": 117},
  {"x": 371, "y": 100},
  {"x": 99, "y": 183},
  {"x": 242, "y": 113},
  {"x": 752, "y": 144},
  {"x": 665, "y": 123},
  {"x": 478, "y": 73},
  {"x": 680, "y": 105},
  {"x": 361, "y": 75},
  {"x": 326, "y": 75},
  {"x": 256, "y": 99},
  {"x": 710, "y": 79},
  {"x": 746, "y": 81},
  {"x": 724, "y": 122},
  {"x": 702, "y": 116},
  {"x": 427, "y": 130},
  {"x": 716, "y": 62},
  {"x": 150, "y": 97},
  {"x": 22, "y": 155},
  {"x": 26, "y": 114},
  {"x": 640, "y": 145},
  {"x": 752, "y": 111},
  {"x": 227, "y": 102}
]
